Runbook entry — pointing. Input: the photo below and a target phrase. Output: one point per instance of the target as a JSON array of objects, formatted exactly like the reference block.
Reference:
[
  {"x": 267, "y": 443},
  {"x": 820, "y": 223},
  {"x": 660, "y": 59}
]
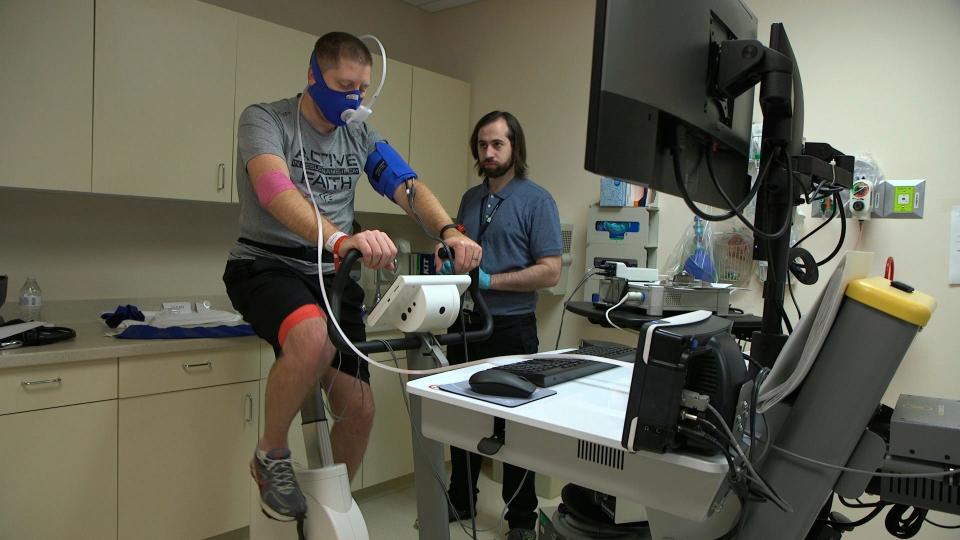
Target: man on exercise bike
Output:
[{"x": 294, "y": 155}]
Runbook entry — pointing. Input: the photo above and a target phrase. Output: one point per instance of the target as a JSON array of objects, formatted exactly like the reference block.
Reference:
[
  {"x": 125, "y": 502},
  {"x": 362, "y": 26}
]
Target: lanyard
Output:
[{"x": 485, "y": 222}]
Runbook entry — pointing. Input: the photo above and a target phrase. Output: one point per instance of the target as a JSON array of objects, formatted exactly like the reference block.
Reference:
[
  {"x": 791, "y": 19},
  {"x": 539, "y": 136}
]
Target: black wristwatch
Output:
[{"x": 448, "y": 226}]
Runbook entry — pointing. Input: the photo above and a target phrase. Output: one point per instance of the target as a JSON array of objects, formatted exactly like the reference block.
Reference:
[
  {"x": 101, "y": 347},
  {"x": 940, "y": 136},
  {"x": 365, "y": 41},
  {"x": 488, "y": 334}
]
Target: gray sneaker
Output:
[{"x": 280, "y": 496}]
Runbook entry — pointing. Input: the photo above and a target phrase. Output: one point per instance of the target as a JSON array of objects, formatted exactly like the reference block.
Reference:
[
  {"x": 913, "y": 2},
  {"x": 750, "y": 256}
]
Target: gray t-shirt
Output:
[
  {"x": 334, "y": 164},
  {"x": 523, "y": 226}
]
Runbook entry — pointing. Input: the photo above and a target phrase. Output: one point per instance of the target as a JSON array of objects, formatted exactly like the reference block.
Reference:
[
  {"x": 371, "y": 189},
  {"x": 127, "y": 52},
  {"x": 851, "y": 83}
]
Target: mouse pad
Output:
[{"x": 463, "y": 388}]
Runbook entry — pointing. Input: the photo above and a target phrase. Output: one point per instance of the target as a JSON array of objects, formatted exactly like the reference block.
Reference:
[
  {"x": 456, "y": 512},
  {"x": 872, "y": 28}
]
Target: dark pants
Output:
[{"x": 515, "y": 334}]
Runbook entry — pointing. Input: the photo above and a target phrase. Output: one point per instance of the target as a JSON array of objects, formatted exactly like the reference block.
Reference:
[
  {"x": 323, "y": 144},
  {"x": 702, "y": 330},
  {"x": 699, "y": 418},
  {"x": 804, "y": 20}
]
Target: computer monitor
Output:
[
  {"x": 654, "y": 68},
  {"x": 671, "y": 100}
]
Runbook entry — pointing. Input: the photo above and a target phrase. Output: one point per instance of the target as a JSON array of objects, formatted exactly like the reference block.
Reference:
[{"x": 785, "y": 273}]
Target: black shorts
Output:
[{"x": 267, "y": 291}]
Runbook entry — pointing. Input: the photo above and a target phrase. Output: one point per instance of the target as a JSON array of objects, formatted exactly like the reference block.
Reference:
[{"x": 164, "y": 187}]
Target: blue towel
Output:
[
  {"x": 122, "y": 313},
  {"x": 144, "y": 331}
]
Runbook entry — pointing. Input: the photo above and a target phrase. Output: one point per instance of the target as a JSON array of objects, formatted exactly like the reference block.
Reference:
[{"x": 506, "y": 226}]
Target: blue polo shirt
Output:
[{"x": 520, "y": 224}]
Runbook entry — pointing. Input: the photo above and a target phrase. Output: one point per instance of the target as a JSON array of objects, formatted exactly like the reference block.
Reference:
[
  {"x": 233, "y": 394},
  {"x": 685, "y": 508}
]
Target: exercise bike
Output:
[{"x": 427, "y": 302}]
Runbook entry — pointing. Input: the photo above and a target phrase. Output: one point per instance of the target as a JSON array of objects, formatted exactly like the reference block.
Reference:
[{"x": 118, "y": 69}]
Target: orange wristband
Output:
[
  {"x": 336, "y": 252},
  {"x": 336, "y": 245}
]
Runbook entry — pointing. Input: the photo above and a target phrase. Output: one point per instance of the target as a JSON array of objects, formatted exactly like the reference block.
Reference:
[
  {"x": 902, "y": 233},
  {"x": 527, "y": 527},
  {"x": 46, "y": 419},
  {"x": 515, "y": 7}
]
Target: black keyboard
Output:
[{"x": 545, "y": 372}]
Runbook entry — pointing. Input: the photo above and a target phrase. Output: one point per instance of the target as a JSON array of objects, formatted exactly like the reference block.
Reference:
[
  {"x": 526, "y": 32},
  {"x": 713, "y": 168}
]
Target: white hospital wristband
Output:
[{"x": 332, "y": 241}]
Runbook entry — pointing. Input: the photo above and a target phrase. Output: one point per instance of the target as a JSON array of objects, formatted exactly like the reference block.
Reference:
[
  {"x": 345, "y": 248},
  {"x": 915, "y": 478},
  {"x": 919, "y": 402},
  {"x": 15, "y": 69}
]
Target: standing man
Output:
[
  {"x": 517, "y": 223},
  {"x": 272, "y": 272}
]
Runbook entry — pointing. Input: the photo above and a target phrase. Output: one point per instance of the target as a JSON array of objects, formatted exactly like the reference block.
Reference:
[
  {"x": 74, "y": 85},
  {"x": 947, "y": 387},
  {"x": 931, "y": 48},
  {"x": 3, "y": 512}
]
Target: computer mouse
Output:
[{"x": 496, "y": 382}]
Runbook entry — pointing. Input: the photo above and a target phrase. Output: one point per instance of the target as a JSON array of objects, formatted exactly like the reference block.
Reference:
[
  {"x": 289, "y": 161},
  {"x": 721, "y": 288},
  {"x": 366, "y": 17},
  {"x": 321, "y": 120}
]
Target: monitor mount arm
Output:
[{"x": 738, "y": 66}]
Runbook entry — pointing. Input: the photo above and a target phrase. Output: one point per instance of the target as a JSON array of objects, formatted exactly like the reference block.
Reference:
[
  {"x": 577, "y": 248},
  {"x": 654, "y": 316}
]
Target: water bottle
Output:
[{"x": 31, "y": 300}]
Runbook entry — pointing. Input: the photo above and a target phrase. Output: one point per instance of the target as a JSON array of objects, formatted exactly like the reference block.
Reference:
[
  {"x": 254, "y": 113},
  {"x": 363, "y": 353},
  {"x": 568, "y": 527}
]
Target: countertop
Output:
[{"x": 92, "y": 343}]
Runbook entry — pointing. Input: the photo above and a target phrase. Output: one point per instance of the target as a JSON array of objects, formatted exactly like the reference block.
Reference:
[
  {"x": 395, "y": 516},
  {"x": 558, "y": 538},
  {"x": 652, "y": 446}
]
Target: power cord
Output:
[
  {"x": 506, "y": 505},
  {"x": 941, "y": 525},
  {"x": 769, "y": 491},
  {"x": 329, "y": 390},
  {"x": 878, "y": 474},
  {"x": 894, "y": 521},
  {"x": 826, "y": 222},
  {"x": 417, "y": 440},
  {"x": 590, "y": 272},
  {"x": 628, "y": 296},
  {"x": 793, "y": 298},
  {"x": 735, "y": 209},
  {"x": 838, "y": 209},
  {"x": 411, "y": 191},
  {"x": 901, "y": 527},
  {"x": 838, "y": 201}
]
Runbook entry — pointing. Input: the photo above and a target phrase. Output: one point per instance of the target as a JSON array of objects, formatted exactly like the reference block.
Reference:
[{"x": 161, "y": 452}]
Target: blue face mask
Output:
[{"x": 331, "y": 102}]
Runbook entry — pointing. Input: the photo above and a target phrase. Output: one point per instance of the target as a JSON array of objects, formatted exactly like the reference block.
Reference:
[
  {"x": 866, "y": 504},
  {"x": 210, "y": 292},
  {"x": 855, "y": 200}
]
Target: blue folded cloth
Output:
[
  {"x": 144, "y": 331},
  {"x": 122, "y": 313}
]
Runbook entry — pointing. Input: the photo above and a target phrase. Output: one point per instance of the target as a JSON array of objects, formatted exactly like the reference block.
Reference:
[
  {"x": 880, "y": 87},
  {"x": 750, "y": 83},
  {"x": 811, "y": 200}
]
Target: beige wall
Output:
[
  {"x": 879, "y": 77},
  {"x": 87, "y": 246},
  {"x": 402, "y": 27},
  {"x": 532, "y": 58},
  {"x": 884, "y": 80},
  {"x": 94, "y": 247}
]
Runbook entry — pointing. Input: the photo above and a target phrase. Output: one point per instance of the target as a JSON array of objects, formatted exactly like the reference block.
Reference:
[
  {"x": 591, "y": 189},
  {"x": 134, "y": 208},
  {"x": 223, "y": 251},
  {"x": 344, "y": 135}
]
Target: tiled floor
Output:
[{"x": 391, "y": 515}]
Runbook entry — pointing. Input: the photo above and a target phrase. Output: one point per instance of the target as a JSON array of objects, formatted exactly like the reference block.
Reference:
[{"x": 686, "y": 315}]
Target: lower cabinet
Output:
[
  {"x": 389, "y": 454},
  {"x": 59, "y": 473},
  {"x": 183, "y": 460},
  {"x": 163, "y": 447},
  {"x": 155, "y": 446}
]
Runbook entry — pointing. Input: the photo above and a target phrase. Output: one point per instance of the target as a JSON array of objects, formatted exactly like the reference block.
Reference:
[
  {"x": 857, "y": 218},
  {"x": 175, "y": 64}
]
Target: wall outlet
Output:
[
  {"x": 861, "y": 197},
  {"x": 902, "y": 198},
  {"x": 824, "y": 207}
]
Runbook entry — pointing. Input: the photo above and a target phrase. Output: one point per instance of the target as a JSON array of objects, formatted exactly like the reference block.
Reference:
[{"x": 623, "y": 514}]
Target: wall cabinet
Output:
[
  {"x": 271, "y": 65},
  {"x": 163, "y": 108},
  {"x": 391, "y": 119},
  {"x": 46, "y": 65},
  {"x": 171, "y": 78}
]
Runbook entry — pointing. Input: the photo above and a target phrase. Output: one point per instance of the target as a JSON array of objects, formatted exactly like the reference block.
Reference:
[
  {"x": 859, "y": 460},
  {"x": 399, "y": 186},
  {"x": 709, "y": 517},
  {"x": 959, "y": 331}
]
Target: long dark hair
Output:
[{"x": 517, "y": 141}]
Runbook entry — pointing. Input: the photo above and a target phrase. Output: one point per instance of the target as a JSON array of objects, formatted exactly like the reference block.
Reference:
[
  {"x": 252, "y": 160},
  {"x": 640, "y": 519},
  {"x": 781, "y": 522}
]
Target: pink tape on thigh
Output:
[{"x": 270, "y": 184}]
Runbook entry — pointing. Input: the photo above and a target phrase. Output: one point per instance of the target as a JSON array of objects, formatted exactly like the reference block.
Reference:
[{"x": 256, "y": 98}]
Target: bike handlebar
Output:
[{"x": 335, "y": 295}]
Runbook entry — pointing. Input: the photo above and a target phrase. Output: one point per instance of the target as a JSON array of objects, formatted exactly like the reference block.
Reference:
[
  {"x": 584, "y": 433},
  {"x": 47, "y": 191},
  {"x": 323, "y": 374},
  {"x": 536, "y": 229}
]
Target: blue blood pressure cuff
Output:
[{"x": 386, "y": 170}]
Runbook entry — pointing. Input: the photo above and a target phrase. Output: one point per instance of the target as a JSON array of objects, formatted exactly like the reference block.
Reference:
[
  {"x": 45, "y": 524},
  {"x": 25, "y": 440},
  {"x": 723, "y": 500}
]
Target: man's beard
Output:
[{"x": 498, "y": 171}]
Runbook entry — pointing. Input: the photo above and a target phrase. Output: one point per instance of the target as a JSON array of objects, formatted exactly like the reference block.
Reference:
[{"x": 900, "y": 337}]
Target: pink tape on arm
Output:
[{"x": 270, "y": 184}]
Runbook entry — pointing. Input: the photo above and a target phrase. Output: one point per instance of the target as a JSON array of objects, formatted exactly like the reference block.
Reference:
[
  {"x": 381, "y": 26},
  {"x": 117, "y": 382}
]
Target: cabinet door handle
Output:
[
  {"x": 197, "y": 365},
  {"x": 248, "y": 408},
  {"x": 221, "y": 176},
  {"x": 29, "y": 384}
]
